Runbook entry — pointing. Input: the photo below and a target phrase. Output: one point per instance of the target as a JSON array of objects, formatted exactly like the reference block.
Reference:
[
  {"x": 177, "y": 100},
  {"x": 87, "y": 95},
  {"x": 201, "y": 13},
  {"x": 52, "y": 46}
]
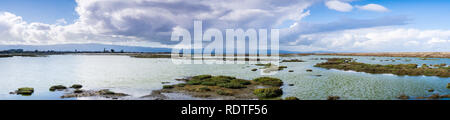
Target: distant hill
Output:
[{"x": 84, "y": 47}]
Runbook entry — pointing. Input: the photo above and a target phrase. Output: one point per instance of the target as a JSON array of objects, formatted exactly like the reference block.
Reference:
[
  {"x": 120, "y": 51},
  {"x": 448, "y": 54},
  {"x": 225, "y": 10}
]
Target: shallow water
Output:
[{"x": 139, "y": 76}]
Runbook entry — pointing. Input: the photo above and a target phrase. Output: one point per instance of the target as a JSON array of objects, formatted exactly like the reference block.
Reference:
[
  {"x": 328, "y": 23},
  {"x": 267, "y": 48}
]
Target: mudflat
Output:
[{"x": 395, "y": 54}]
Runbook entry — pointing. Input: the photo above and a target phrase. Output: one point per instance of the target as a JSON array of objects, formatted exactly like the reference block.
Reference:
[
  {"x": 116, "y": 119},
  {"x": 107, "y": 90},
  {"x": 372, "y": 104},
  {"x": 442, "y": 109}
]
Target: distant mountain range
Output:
[{"x": 101, "y": 47}]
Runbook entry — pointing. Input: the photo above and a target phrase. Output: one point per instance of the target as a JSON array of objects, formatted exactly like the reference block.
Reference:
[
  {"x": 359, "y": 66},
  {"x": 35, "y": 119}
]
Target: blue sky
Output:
[
  {"x": 426, "y": 14},
  {"x": 307, "y": 25},
  {"x": 45, "y": 11},
  {"x": 423, "y": 13}
]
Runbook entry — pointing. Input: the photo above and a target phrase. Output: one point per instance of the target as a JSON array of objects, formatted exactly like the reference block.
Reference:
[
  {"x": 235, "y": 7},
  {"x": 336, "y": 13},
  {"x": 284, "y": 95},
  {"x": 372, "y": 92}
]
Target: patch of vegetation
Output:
[
  {"x": 398, "y": 69},
  {"x": 428, "y": 59},
  {"x": 168, "y": 86},
  {"x": 333, "y": 98},
  {"x": 232, "y": 85},
  {"x": 78, "y": 91},
  {"x": 269, "y": 67},
  {"x": 76, "y": 86},
  {"x": 265, "y": 65},
  {"x": 194, "y": 82},
  {"x": 221, "y": 81},
  {"x": 201, "y": 77},
  {"x": 241, "y": 81},
  {"x": 224, "y": 92},
  {"x": 181, "y": 85},
  {"x": 110, "y": 93},
  {"x": 204, "y": 89},
  {"x": 268, "y": 92},
  {"x": 57, "y": 87},
  {"x": 269, "y": 81},
  {"x": 293, "y": 60},
  {"x": 25, "y": 91},
  {"x": 208, "y": 85},
  {"x": 291, "y": 98},
  {"x": 282, "y": 67}
]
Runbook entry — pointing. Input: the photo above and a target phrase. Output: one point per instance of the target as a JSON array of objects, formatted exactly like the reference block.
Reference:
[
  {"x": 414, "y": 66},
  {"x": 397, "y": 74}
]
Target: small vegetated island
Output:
[
  {"x": 226, "y": 87},
  {"x": 441, "y": 70}
]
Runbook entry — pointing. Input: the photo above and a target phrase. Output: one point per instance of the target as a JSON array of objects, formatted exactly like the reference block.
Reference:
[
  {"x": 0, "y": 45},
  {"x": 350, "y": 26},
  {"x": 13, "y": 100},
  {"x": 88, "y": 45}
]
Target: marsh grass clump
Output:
[
  {"x": 428, "y": 59},
  {"x": 241, "y": 81},
  {"x": 398, "y": 69},
  {"x": 232, "y": 85},
  {"x": 282, "y": 67},
  {"x": 268, "y": 92},
  {"x": 293, "y": 60},
  {"x": 181, "y": 85},
  {"x": 168, "y": 86},
  {"x": 109, "y": 92},
  {"x": 224, "y": 92},
  {"x": 25, "y": 91},
  {"x": 204, "y": 89},
  {"x": 194, "y": 82},
  {"x": 201, "y": 77},
  {"x": 57, "y": 87},
  {"x": 269, "y": 81},
  {"x": 78, "y": 91},
  {"x": 333, "y": 98},
  {"x": 291, "y": 98},
  {"x": 76, "y": 86},
  {"x": 209, "y": 83},
  {"x": 269, "y": 67},
  {"x": 221, "y": 81},
  {"x": 265, "y": 65}
]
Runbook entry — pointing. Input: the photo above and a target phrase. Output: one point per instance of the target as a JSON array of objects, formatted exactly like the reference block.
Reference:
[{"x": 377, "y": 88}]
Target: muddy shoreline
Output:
[{"x": 395, "y": 54}]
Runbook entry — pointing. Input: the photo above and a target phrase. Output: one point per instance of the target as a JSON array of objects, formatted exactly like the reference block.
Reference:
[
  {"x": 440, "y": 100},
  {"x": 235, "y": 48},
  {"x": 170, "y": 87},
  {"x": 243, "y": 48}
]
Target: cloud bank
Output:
[{"x": 378, "y": 39}]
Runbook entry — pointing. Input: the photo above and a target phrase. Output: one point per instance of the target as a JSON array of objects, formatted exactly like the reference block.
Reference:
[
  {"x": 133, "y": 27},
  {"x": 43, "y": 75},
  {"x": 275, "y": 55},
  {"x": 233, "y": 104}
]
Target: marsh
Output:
[{"x": 138, "y": 77}]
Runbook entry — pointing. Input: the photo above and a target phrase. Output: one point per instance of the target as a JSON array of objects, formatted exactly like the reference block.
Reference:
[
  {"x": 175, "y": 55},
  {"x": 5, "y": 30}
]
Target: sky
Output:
[{"x": 305, "y": 25}]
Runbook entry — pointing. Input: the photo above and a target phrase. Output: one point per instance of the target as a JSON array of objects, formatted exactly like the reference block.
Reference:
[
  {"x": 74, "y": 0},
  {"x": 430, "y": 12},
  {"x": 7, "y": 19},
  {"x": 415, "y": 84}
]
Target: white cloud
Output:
[
  {"x": 373, "y": 7},
  {"x": 61, "y": 21},
  {"x": 339, "y": 6},
  {"x": 380, "y": 39},
  {"x": 148, "y": 21}
]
